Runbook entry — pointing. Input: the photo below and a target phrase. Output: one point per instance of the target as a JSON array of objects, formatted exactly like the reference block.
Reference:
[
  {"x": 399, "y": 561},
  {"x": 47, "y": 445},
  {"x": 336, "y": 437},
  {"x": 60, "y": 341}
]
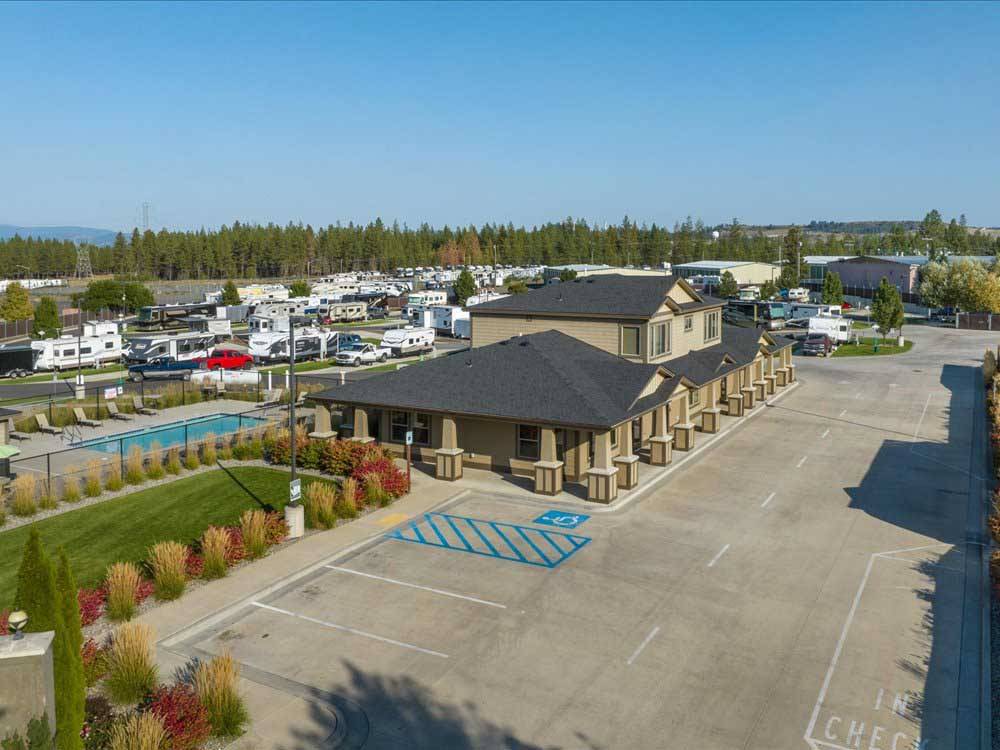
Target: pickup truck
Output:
[
  {"x": 225, "y": 359},
  {"x": 163, "y": 367},
  {"x": 362, "y": 354}
]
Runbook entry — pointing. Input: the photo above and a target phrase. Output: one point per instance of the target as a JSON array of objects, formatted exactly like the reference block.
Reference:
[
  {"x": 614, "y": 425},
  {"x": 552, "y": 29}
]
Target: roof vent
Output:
[
  {"x": 468, "y": 363},
  {"x": 524, "y": 343}
]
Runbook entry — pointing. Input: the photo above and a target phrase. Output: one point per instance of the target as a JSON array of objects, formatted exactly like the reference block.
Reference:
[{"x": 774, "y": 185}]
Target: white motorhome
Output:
[
  {"x": 444, "y": 318},
  {"x": 268, "y": 340},
  {"x": 837, "y": 329},
  {"x": 798, "y": 294},
  {"x": 419, "y": 301},
  {"x": 178, "y": 347},
  {"x": 795, "y": 310},
  {"x": 262, "y": 292},
  {"x": 101, "y": 344},
  {"x": 220, "y": 327},
  {"x": 487, "y": 296},
  {"x": 403, "y": 342},
  {"x": 342, "y": 312}
]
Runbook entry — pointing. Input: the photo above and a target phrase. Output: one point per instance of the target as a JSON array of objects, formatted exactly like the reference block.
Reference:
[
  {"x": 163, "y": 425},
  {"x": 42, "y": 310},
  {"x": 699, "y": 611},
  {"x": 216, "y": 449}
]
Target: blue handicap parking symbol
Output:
[{"x": 561, "y": 519}]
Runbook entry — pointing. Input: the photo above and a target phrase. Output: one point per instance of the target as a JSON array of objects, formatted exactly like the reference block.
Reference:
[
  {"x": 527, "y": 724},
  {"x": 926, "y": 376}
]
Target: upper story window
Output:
[
  {"x": 688, "y": 323},
  {"x": 661, "y": 339},
  {"x": 712, "y": 325},
  {"x": 630, "y": 341},
  {"x": 694, "y": 397}
]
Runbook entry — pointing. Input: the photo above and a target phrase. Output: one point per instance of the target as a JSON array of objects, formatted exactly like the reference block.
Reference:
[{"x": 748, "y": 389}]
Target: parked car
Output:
[
  {"x": 226, "y": 359},
  {"x": 163, "y": 367},
  {"x": 377, "y": 313},
  {"x": 363, "y": 354},
  {"x": 818, "y": 345}
]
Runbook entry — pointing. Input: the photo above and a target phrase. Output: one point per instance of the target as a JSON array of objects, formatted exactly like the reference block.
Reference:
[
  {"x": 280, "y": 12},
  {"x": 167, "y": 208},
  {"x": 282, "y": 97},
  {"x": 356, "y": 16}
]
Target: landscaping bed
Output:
[{"x": 866, "y": 348}]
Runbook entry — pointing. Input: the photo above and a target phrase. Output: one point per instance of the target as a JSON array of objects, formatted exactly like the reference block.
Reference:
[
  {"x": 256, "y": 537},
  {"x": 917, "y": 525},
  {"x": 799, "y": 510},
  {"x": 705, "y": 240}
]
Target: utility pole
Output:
[{"x": 294, "y": 512}]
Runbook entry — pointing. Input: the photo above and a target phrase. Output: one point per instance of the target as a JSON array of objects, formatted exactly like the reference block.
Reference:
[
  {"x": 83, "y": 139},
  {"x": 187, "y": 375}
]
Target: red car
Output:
[{"x": 226, "y": 359}]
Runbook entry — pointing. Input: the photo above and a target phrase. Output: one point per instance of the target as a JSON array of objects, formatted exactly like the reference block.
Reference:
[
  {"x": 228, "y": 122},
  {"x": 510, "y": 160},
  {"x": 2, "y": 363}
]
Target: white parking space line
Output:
[
  {"x": 719, "y": 554},
  {"x": 769, "y": 499},
  {"x": 923, "y": 413},
  {"x": 635, "y": 654},
  {"x": 442, "y": 592},
  {"x": 827, "y": 432},
  {"x": 842, "y": 413},
  {"x": 857, "y": 395},
  {"x": 352, "y": 631},
  {"x": 801, "y": 461}
]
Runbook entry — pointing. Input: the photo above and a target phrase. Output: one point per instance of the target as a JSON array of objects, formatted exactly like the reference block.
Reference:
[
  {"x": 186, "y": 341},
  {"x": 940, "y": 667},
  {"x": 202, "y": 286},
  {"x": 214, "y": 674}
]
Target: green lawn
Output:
[
  {"x": 866, "y": 348},
  {"x": 319, "y": 364},
  {"x": 859, "y": 326},
  {"x": 124, "y": 528},
  {"x": 67, "y": 374}
]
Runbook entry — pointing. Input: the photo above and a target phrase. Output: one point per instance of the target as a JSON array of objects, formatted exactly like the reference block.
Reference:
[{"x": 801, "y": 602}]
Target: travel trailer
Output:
[
  {"x": 403, "y": 342},
  {"x": 178, "y": 347},
  {"x": 419, "y": 301},
  {"x": 16, "y": 360},
  {"x": 100, "y": 344},
  {"x": 221, "y": 328},
  {"x": 342, "y": 312},
  {"x": 162, "y": 317},
  {"x": 795, "y": 310},
  {"x": 444, "y": 318},
  {"x": 838, "y": 329},
  {"x": 255, "y": 293},
  {"x": 310, "y": 343}
]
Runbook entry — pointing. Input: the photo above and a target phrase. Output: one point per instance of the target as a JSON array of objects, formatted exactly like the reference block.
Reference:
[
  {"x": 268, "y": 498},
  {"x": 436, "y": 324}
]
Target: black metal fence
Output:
[
  {"x": 68, "y": 321},
  {"x": 978, "y": 321}
]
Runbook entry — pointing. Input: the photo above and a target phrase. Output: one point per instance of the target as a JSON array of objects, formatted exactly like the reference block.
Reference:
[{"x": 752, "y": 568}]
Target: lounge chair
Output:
[
  {"x": 13, "y": 432},
  {"x": 44, "y": 426},
  {"x": 82, "y": 418},
  {"x": 115, "y": 414},
  {"x": 216, "y": 389},
  {"x": 142, "y": 408},
  {"x": 273, "y": 397}
]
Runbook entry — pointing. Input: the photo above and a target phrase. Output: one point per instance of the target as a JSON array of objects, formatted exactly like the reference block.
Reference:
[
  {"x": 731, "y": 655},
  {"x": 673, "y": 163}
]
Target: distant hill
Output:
[{"x": 75, "y": 234}]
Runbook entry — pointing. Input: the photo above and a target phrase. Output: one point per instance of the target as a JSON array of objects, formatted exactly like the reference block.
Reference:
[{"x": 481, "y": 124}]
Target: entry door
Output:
[
  {"x": 375, "y": 424},
  {"x": 724, "y": 390},
  {"x": 636, "y": 434}
]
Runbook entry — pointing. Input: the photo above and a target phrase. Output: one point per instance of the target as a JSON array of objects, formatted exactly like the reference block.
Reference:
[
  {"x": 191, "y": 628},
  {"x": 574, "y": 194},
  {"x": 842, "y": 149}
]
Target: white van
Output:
[
  {"x": 403, "y": 342},
  {"x": 838, "y": 329}
]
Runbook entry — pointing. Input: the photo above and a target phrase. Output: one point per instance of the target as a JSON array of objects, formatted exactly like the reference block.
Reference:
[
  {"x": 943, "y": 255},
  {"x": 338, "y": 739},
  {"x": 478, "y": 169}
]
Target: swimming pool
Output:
[{"x": 171, "y": 434}]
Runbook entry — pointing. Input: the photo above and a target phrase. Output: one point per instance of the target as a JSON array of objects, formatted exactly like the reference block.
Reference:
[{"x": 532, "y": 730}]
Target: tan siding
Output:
[{"x": 489, "y": 329}]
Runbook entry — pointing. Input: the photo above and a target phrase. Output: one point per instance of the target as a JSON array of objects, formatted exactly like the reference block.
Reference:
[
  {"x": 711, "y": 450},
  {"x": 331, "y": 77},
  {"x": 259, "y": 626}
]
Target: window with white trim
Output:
[
  {"x": 661, "y": 339},
  {"x": 688, "y": 323},
  {"x": 399, "y": 423},
  {"x": 711, "y": 325},
  {"x": 630, "y": 341},
  {"x": 694, "y": 397},
  {"x": 528, "y": 441}
]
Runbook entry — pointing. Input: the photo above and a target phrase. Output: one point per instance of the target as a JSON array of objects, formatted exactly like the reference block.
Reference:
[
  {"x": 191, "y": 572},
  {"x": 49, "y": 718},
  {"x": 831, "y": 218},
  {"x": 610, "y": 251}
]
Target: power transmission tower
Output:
[{"x": 83, "y": 268}]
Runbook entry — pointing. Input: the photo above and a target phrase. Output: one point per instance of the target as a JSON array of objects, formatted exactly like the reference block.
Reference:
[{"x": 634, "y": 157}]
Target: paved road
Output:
[{"x": 812, "y": 581}]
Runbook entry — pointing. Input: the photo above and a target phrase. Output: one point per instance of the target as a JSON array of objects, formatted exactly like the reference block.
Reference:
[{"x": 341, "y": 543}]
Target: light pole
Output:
[{"x": 295, "y": 514}]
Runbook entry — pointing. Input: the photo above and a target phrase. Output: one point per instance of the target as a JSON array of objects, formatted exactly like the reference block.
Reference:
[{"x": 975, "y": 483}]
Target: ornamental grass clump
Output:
[
  {"x": 48, "y": 501},
  {"x": 131, "y": 666},
  {"x": 22, "y": 495},
  {"x": 215, "y": 682},
  {"x": 320, "y": 502},
  {"x": 215, "y": 551},
  {"x": 347, "y": 504},
  {"x": 208, "y": 453},
  {"x": 253, "y": 526},
  {"x": 191, "y": 461},
  {"x": 168, "y": 561},
  {"x": 122, "y": 582},
  {"x": 70, "y": 485},
  {"x": 113, "y": 481},
  {"x": 154, "y": 470},
  {"x": 174, "y": 461},
  {"x": 134, "y": 473},
  {"x": 375, "y": 493},
  {"x": 92, "y": 480},
  {"x": 139, "y": 731}
]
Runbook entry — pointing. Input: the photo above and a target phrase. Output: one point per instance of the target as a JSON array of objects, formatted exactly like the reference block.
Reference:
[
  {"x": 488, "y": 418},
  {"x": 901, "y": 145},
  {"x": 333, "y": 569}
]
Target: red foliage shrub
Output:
[
  {"x": 237, "y": 550},
  {"x": 144, "y": 591},
  {"x": 275, "y": 529},
  {"x": 95, "y": 662},
  {"x": 92, "y": 603},
  {"x": 4, "y": 627},
  {"x": 195, "y": 564},
  {"x": 343, "y": 457},
  {"x": 183, "y": 716},
  {"x": 393, "y": 480}
]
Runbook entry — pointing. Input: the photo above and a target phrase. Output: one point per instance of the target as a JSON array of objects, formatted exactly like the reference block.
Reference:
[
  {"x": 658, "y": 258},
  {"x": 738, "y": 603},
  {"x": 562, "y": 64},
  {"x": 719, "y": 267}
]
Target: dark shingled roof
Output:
[
  {"x": 544, "y": 377},
  {"x": 606, "y": 294}
]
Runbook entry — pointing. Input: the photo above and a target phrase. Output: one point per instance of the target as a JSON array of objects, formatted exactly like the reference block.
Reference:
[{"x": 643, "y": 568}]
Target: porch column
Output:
[
  {"x": 684, "y": 429},
  {"x": 626, "y": 461},
  {"x": 548, "y": 471},
  {"x": 602, "y": 487},
  {"x": 361, "y": 426},
  {"x": 711, "y": 416},
  {"x": 769, "y": 376},
  {"x": 448, "y": 458},
  {"x": 759, "y": 384},
  {"x": 322, "y": 428},
  {"x": 748, "y": 390},
  {"x": 661, "y": 441}
]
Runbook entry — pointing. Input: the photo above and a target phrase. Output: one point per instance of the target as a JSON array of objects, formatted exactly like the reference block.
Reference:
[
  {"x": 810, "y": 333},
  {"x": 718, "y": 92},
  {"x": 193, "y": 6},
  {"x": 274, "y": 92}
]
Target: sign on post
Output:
[
  {"x": 409, "y": 437},
  {"x": 294, "y": 490}
]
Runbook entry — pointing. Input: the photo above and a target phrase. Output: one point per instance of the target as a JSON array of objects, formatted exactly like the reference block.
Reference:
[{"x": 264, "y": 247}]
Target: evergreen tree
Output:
[
  {"x": 46, "y": 322},
  {"x": 71, "y": 691},
  {"x": 36, "y": 586},
  {"x": 465, "y": 286},
  {"x": 567, "y": 274},
  {"x": 728, "y": 286},
  {"x": 15, "y": 305},
  {"x": 299, "y": 289},
  {"x": 230, "y": 295},
  {"x": 789, "y": 278},
  {"x": 887, "y": 307},
  {"x": 768, "y": 290},
  {"x": 833, "y": 290},
  {"x": 516, "y": 286}
]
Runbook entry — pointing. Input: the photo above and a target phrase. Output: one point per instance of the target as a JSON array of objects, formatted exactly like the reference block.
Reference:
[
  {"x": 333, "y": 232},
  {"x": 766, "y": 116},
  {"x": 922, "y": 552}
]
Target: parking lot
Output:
[{"x": 807, "y": 582}]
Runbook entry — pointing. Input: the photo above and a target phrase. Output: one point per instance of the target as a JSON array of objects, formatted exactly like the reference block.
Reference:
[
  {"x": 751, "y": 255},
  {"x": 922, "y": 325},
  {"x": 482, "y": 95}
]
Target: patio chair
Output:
[
  {"x": 141, "y": 408},
  {"x": 82, "y": 418},
  {"x": 216, "y": 389},
  {"x": 44, "y": 426},
  {"x": 273, "y": 397},
  {"x": 13, "y": 432},
  {"x": 115, "y": 414}
]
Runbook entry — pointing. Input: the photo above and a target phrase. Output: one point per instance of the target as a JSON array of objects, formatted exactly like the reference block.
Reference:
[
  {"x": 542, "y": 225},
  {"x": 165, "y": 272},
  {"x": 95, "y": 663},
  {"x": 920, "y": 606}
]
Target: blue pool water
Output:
[{"x": 171, "y": 434}]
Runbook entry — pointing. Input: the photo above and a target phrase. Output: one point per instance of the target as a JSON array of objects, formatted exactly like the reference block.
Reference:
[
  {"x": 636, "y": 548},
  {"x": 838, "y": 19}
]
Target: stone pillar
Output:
[
  {"x": 448, "y": 459},
  {"x": 626, "y": 462},
  {"x": 782, "y": 377},
  {"x": 791, "y": 373},
  {"x": 360, "y": 423},
  {"x": 710, "y": 419},
  {"x": 735, "y": 404},
  {"x": 760, "y": 388},
  {"x": 602, "y": 486},
  {"x": 548, "y": 471},
  {"x": 322, "y": 428},
  {"x": 683, "y": 430},
  {"x": 661, "y": 441},
  {"x": 27, "y": 685},
  {"x": 748, "y": 397}
]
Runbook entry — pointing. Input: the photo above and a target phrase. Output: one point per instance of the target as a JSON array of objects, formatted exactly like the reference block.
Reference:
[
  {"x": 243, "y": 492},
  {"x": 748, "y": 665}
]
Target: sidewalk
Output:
[{"x": 279, "y": 717}]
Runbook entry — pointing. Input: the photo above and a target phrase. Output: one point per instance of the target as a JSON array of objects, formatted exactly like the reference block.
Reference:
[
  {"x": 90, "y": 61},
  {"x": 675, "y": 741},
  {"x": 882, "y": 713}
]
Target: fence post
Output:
[
  {"x": 121, "y": 456},
  {"x": 183, "y": 392},
  {"x": 185, "y": 439},
  {"x": 48, "y": 473},
  {"x": 258, "y": 387}
]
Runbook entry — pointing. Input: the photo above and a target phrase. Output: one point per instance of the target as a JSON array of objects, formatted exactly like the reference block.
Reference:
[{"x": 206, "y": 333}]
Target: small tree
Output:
[
  {"x": 15, "y": 304},
  {"x": 768, "y": 290},
  {"x": 833, "y": 290},
  {"x": 887, "y": 307},
  {"x": 465, "y": 286},
  {"x": 68, "y": 657},
  {"x": 567, "y": 274},
  {"x": 36, "y": 586},
  {"x": 789, "y": 278},
  {"x": 516, "y": 286},
  {"x": 230, "y": 295},
  {"x": 728, "y": 286},
  {"x": 46, "y": 322},
  {"x": 299, "y": 289}
]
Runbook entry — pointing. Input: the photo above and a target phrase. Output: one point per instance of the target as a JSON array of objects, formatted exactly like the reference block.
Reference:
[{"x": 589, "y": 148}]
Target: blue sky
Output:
[{"x": 459, "y": 113}]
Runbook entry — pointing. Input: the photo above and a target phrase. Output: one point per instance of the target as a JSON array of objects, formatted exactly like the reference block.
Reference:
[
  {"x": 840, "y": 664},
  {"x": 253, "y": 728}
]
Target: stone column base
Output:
[
  {"x": 602, "y": 485},
  {"x": 363, "y": 440},
  {"x": 748, "y": 397},
  {"x": 791, "y": 373},
  {"x": 710, "y": 419},
  {"x": 769, "y": 384},
  {"x": 628, "y": 471},
  {"x": 735, "y": 404},
  {"x": 659, "y": 449},
  {"x": 782, "y": 376},
  {"x": 449, "y": 463},
  {"x": 295, "y": 519},
  {"x": 323, "y": 435},
  {"x": 29, "y": 686},
  {"x": 760, "y": 388},
  {"x": 684, "y": 436},
  {"x": 548, "y": 477}
]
